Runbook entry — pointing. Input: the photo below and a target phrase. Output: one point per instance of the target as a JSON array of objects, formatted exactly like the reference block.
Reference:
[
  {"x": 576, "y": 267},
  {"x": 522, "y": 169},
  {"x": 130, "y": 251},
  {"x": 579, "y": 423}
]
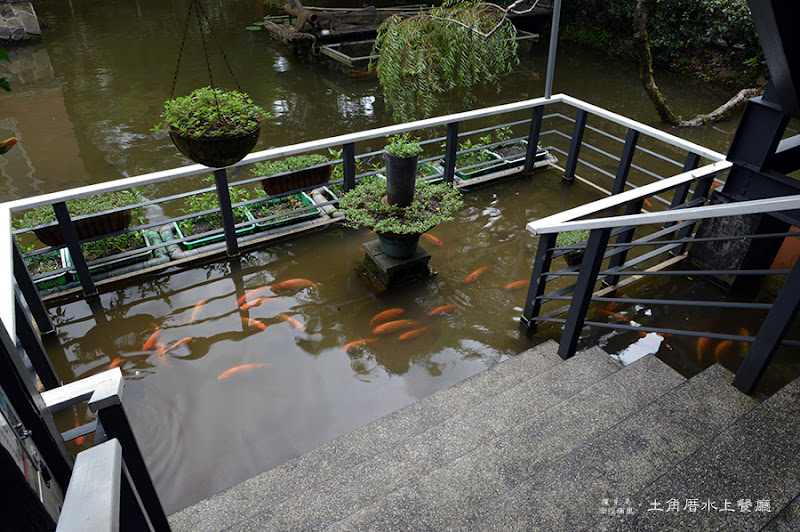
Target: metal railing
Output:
[{"x": 606, "y": 267}]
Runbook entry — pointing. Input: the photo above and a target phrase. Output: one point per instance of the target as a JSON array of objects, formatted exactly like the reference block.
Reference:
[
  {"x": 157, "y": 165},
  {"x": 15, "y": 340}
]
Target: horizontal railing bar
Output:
[
  {"x": 689, "y": 272},
  {"x": 550, "y": 225},
  {"x": 639, "y": 148},
  {"x": 670, "y": 302},
  {"x": 690, "y": 240},
  {"x": 617, "y": 159},
  {"x": 77, "y": 432}
]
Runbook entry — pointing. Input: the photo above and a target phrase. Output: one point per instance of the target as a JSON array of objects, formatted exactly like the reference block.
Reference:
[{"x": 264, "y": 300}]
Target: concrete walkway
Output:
[{"x": 537, "y": 443}]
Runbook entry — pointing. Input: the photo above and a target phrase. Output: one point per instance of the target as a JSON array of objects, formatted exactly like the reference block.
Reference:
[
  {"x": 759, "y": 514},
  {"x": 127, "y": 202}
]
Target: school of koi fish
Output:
[{"x": 385, "y": 324}]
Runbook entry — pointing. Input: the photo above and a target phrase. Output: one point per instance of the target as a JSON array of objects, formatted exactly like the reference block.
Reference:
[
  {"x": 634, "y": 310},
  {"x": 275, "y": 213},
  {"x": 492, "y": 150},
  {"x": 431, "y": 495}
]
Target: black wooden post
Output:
[
  {"x": 33, "y": 347},
  {"x": 21, "y": 392},
  {"x": 450, "y": 152},
  {"x": 74, "y": 247},
  {"x": 625, "y": 161},
  {"x": 541, "y": 265},
  {"x": 31, "y": 295},
  {"x": 533, "y": 139},
  {"x": 575, "y": 146},
  {"x": 228, "y": 223},
  {"x": 116, "y": 425},
  {"x": 349, "y": 166},
  {"x": 584, "y": 286},
  {"x": 132, "y": 517},
  {"x": 624, "y": 237},
  {"x": 771, "y": 333}
]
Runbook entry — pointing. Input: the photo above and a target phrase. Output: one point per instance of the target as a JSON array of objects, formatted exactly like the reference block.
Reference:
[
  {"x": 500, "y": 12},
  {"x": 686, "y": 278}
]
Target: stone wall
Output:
[{"x": 18, "y": 21}]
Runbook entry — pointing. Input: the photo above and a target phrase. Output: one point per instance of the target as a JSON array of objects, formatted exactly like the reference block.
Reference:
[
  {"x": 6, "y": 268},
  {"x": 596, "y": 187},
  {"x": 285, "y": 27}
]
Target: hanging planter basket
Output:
[
  {"x": 216, "y": 152},
  {"x": 89, "y": 227}
]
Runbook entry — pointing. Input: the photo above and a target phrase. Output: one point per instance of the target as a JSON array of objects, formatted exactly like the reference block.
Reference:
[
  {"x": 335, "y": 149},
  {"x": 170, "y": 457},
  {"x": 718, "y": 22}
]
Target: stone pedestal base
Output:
[{"x": 384, "y": 272}]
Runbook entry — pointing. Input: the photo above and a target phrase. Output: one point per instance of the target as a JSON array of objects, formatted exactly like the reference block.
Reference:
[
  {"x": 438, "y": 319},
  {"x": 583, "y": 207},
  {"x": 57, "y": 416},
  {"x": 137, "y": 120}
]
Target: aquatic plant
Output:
[
  {"x": 432, "y": 205},
  {"x": 448, "y": 49},
  {"x": 211, "y": 113}
]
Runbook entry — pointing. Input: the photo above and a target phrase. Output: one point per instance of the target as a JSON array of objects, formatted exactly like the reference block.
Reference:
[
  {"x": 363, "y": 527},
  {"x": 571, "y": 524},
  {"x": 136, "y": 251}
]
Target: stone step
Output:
[
  {"x": 445, "y": 494},
  {"x": 757, "y": 459},
  {"x": 415, "y": 456},
  {"x": 274, "y": 486},
  {"x": 619, "y": 463}
]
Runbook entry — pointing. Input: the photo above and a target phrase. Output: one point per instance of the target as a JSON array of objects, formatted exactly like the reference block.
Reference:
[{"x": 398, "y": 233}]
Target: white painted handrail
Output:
[
  {"x": 101, "y": 390},
  {"x": 559, "y": 221}
]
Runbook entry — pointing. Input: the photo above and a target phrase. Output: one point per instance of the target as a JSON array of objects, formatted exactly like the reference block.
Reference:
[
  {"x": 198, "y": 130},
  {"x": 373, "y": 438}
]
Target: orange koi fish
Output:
[
  {"x": 394, "y": 326},
  {"x": 239, "y": 369},
  {"x": 476, "y": 274},
  {"x": 716, "y": 184},
  {"x": 161, "y": 355},
  {"x": 359, "y": 343},
  {"x": 614, "y": 315},
  {"x": 254, "y": 303},
  {"x": 179, "y": 342},
  {"x": 648, "y": 204},
  {"x": 723, "y": 349},
  {"x": 196, "y": 310},
  {"x": 293, "y": 284},
  {"x": 251, "y": 294},
  {"x": 8, "y": 144},
  {"x": 115, "y": 363},
  {"x": 610, "y": 306},
  {"x": 151, "y": 342},
  {"x": 410, "y": 335},
  {"x": 79, "y": 439},
  {"x": 254, "y": 324},
  {"x": 516, "y": 285},
  {"x": 386, "y": 315},
  {"x": 433, "y": 240},
  {"x": 291, "y": 321},
  {"x": 703, "y": 348},
  {"x": 444, "y": 309}
]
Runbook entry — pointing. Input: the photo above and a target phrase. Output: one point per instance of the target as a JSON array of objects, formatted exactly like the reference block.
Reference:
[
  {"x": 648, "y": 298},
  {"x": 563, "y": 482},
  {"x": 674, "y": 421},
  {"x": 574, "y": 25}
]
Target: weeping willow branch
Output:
[{"x": 447, "y": 50}]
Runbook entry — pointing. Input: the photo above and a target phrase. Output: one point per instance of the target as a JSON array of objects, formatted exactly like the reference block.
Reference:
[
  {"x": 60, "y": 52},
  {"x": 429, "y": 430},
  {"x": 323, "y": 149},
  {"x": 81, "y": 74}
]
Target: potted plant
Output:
[
  {"x": 287, "y": 206},
  {"x": 292, "y": 173},
  {"x": 570, "y": 238},
  {"x": 90, "y": 226},
  {"x": 402, "y": 154},
  {"x": 399, "y": 228},
  {"x": 213, "y": 127}
]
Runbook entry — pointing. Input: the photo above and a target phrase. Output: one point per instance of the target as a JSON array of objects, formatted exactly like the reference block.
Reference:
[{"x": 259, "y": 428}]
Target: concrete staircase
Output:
[{"x": 537, "y": 443}]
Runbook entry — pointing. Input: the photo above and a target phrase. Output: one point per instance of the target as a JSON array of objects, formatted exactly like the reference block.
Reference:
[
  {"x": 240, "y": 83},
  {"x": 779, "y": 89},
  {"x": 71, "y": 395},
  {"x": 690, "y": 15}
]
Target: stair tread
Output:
[
  {"x": 273, "y": 486},
  {"x": 756, "y": 458},
  {"x": 435, "y": 500},
  {"x": 342, "y": 494},
  {"x": 567, "y": 494}
]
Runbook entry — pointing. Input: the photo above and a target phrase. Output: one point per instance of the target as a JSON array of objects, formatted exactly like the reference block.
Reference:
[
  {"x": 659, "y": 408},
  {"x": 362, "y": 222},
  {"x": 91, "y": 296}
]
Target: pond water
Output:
[{"x": 83, "y": 104}]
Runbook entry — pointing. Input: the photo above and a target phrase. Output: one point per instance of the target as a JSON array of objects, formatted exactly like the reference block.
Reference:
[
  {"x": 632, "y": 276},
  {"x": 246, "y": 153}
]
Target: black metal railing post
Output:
[
  {"x": 575, "y": 145},
  {"x": 349, "y": 166},
  {"x": 541, "y": 265},
  {"x": 624, "y": 237},
  {"x": 33, "y": 347},
  {"x": 679, "y": 197},
  {"x": 116, "y": 425},
  {"x": 228, "y": 222},
  {"x": 132, "y": 516},
  {"x": 584, "y": 287},
  {"x": 625, "y": 161},
  {"x": 771, "y": 333},
  {"x": 533, "y": 139},
  {"x": 74, "y": 247},
  {"x": 450, "y": 152},
  {"x": 31, "y": 295}
]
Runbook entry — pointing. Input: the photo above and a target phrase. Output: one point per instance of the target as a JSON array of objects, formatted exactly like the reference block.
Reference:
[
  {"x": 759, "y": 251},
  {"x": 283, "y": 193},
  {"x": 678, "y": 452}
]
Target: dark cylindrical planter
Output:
[
  {"x": 216, "y": 152},
  {"x": 401, "y": 176},
  {"x": 399, "y": 246}
]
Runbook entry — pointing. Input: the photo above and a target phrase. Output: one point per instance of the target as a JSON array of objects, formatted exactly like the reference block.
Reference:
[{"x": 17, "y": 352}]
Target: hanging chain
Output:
[
  {"x": 180, "y": 50},
  {"x": 224, "y": 57},
  {"x": 205, "y": 48}
]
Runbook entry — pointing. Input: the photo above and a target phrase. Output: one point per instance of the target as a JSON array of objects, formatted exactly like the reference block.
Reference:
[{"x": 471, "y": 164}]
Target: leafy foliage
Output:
[
  {"x": 451, "y": 48},
  {"x": 570, "y": 238},
  {"x": 210, "y": 201},
  {"x": 432, "y": 205},
  {"x": 287, "y": 165},
  {"x": 403, "y": 146},
  {"x": 4, "y": 82},
  {"x": 83, "y": 206},
  {"x": 211, "y": 113}
]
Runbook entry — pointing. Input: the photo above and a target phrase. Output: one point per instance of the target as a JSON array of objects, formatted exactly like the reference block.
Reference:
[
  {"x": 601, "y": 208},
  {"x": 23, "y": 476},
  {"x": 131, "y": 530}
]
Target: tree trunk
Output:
[
  {"x": 725, "y": 110},
  {"x": 641, "y": 46}
]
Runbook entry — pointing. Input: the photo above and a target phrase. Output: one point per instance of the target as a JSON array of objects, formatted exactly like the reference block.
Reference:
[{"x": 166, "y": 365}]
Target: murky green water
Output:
[{"x": 83, "y": 105}]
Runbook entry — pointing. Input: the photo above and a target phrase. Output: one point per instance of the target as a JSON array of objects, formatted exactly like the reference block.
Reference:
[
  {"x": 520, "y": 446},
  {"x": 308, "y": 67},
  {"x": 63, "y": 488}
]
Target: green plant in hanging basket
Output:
[{"x": 571, "y": 238}]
